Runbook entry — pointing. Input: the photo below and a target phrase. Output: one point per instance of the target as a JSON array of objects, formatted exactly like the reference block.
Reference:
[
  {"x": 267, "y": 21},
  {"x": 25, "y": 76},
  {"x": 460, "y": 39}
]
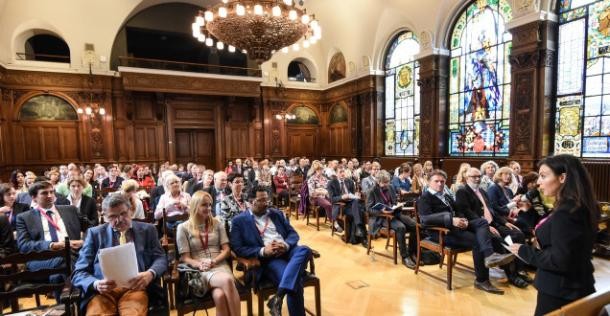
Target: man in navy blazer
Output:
[
  {"x": 102, "y": 296},
  {"x": 265, "y": 234}
]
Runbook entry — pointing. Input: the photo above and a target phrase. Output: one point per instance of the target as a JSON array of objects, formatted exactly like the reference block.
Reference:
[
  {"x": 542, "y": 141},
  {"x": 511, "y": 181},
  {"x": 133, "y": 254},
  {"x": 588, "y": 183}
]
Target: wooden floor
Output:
[{"x": 355, "y": 284}]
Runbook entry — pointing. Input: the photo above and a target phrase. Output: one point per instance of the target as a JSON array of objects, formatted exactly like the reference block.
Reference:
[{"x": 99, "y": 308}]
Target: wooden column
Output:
[
  {"x": 532, "y": 120},
  {"x": 433, "y": 72}
]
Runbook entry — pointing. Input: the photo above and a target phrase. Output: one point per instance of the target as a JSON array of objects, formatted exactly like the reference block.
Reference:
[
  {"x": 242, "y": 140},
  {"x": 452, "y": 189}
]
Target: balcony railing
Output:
[{"x": 189, "y": 67}]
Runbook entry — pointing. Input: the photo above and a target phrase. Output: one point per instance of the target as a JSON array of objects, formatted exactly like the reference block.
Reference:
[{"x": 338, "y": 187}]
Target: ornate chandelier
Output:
[{"x": 258, "y": 27}]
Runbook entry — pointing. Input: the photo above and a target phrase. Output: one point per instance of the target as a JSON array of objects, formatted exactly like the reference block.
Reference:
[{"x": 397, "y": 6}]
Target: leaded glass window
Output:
[
  {"x": 402, "y": 97},
  {"x": 479, "y": 80},
  {"x": 582, "y": 117}
]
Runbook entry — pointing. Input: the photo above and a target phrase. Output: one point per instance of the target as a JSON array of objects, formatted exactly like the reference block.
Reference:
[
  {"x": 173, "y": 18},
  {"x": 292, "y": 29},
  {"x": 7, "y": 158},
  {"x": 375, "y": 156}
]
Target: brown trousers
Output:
[{"x": 120, "y": 301}]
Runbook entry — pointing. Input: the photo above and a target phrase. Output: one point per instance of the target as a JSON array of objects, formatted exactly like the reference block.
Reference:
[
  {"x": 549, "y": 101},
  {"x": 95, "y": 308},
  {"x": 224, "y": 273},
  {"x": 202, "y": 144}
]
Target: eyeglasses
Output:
[{"x": 475, "y": 177}]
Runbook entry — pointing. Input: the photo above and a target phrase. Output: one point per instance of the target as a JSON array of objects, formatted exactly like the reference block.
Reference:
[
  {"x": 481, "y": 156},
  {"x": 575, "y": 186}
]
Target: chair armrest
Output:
[
  {"x": 248, "y": 263},
  {"x": 438, "y": 229},
  {"x": 69, "y": 295},
  {"x": 315, "y": 253}
]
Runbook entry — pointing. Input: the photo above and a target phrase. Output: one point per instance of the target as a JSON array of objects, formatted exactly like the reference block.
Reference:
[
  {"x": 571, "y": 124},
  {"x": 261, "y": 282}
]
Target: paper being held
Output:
[{"x": 119, "y": 263}]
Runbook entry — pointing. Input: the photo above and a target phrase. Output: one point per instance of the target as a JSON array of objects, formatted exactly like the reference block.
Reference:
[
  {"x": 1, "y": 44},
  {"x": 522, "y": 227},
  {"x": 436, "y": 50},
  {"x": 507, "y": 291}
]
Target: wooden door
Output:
[
  {"x": 195, "y": 145},
  {"x": 302, "y": 141}
]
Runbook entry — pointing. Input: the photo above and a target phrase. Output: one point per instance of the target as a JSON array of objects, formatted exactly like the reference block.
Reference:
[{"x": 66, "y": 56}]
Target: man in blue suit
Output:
[
  {"x": 264, "y": 233},
  {"x": 102, "y": 296}
]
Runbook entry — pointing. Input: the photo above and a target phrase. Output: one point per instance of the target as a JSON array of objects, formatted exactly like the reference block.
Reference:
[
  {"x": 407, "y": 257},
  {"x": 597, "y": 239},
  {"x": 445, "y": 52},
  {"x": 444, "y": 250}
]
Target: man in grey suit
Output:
[{"x": 45, "y": 226}]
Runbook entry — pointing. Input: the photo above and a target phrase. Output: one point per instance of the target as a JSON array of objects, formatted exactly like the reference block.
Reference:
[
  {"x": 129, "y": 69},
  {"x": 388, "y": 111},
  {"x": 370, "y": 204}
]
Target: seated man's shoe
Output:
[
  {"x": 364, "y": 242},
  {"x": 518, "y": 281},
  {"x": 496, "y": 259},
  {"x": 488, "y": 287},
  {"x": 409, "y": 263},
  {"x": 338, "y": 228},
  {"x": 525, "y": 277},
  {"x": 275, "y": 305}
]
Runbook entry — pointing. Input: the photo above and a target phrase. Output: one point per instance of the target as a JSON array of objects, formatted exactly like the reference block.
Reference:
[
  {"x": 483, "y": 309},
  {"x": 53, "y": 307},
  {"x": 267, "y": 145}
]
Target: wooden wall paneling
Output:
[
  {"x": 204, "y": 147},
  {"x": 600, "y": 176},
  {"x": 31, "y": 141},
  {"x": 219, "y": 117},
  {"x": 303, "y": 141},
  {"x": 69, "y": 139}
]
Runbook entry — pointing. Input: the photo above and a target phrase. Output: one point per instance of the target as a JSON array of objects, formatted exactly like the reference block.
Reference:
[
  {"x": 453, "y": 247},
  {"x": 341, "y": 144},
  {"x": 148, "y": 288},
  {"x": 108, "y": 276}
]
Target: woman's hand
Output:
[{"x": 514, "y": 248}]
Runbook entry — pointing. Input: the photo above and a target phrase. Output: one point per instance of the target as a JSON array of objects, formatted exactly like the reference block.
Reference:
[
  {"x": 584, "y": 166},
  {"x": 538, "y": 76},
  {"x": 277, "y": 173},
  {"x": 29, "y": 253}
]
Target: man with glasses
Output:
[
  {"x": 45, "y": 227},
  {"x": 102, "y": 296},
  {"x": 264, "y": 233},
  {"x": 219, "y": 191}
]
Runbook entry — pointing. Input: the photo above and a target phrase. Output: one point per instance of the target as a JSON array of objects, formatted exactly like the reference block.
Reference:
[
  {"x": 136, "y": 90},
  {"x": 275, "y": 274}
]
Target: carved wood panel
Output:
[{"x": 302, "y": 141}]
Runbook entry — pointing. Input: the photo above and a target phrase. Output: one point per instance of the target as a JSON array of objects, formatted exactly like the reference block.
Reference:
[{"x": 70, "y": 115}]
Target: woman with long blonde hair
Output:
[
  {"x": 418, "y": 179},
  {"x": 460, "y": 177},
  {"x": 203, "y": 244}
]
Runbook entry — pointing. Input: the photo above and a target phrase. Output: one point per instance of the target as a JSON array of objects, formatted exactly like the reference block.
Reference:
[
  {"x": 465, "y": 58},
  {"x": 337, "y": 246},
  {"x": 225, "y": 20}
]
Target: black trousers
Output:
[
  {"x": 477, "y": 237},
  {"x": 401, "y": 224},
  {"x": 518, "y": 237},
  {"x": 546, "y": 303}
]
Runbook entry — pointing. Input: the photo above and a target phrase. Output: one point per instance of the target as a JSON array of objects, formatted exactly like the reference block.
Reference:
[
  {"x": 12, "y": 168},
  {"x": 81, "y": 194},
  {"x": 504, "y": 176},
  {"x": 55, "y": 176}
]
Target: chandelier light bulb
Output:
[
  {"x": 200, "y": 20},
  {"x": 305, "y": 19},
  {"x": 222, "y": 12},
  {"x": 209, "y": 16},
  {"x": 240, "y": 10},
  {"x": 220, "y": 45},
  {"x": 196, "y": 30},
  {"x": 88, "y": 110},
  {"x": 244, "y": 51},
  {"x": 288, "y": 2},
  {"x": 278, "y": 116},
  {"x": 225, "y": 1},
  {"x": 201, "y": 38},
  {"x": 295, "y": 47},
  {"x": 305, "y": 43},
  {"x": 313, "y": 40},
  {"x": 314, "y": 23},
  {"x": 79, "y": 111},
  {"x": 231, "y": 49},
  {"x": 258, "y": 9},
  {"x": 276, "y": 11},
  {"x": 102, "y": 111},
  {"x": 292, "y": 15},
  {"x": 209, "y": 41},
  {"x": 285, "y": 50}
]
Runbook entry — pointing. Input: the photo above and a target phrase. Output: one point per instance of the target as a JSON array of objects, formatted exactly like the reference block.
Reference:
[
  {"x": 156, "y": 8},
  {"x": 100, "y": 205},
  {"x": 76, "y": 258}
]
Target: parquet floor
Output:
[{"x": 382, "y": 288}]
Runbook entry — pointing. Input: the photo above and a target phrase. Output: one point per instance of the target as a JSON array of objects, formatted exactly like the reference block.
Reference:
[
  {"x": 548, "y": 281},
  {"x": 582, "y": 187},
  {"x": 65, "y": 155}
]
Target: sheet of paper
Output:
[
  {"x": 508, "y": 240},
  {"x": 119, "y": 263}
]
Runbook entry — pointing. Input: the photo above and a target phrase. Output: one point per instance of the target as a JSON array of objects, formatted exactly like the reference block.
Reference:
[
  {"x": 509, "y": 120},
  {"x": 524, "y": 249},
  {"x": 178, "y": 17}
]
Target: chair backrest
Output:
[
  {"x": 409, "y": 198},
  {"x": 15, "y": 283},
  {"x": 589, "y": 305}
]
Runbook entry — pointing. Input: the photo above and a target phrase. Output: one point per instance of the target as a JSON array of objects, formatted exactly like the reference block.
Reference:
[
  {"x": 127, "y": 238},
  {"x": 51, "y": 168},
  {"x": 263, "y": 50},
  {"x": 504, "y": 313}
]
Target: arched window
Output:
[
  {"x": 402, "y": 97},
  {"x": 298, "y": 71},
  {"x": 46, "y": 47},
  {"x": 479, "y": 80},
  {"x": 583, "y": 79}
]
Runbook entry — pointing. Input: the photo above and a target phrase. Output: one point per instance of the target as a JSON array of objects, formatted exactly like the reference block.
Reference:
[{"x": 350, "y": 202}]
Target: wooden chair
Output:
[
  {"x": 341, "y": 217},
  {"x": 16, "y": 283},
  {"x": 589, "y": 305},
  {"x": 294, "y": 197},
  {"x": 438, "y": 247},
  {"x": 314, "y": 211},
  {"x": 390, "y": 234},
  {"x": 168, "y": 242},
  {"x": 265, "y": 288}
]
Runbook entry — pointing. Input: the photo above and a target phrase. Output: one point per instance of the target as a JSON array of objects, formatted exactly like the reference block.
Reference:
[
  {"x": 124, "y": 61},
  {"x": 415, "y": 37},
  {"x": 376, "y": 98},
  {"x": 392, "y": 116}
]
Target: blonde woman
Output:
[
  {"x": 203, "y": 244},
  {"x": 418, "y": 180},
  {"x": 428, "y": 168},
  {"x": 460, "y": 178},
  {"x": 130, "y": 189}
]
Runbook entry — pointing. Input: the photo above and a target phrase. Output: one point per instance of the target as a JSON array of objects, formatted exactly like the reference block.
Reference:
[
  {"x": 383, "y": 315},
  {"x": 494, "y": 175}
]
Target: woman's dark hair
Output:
[
  {"x": 14, "y": 178},
  {"x": 233, "y": 176},
  {"x": 577, "y": 187},
  {"x": 529, "y": 178},
  {"x": 4, "y": 189}
]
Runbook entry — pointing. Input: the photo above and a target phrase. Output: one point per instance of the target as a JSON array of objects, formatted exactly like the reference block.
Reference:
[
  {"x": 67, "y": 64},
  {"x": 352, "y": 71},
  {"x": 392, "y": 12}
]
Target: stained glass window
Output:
[
  {"x": 582, "y": 118},
  {"x": 402, "y": 97},
  {"x": 479, "y": 80}
]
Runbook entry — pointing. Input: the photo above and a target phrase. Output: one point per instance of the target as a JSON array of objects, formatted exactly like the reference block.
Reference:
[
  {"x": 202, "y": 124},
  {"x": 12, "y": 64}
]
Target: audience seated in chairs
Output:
[
  {"x": 280, "y": 183},
  {"x": 502, "y": 200},
  {"x": 264, "y": 233},
  {"x": 236, "y": 202},
  {"x": 45, "y": 227},
  {"x": 343, "y": 190},
  {"x": 9, "y": 208},
  {"x": 113, "y": 180},
  {"x": 473, "y": 202},
  {"x": 382, "y": 192},
  {"x": 203, "y": 244},
  {"x": 402, "y": 182},
  {"x": 87, "y": 210},
  {"x": 101, "y": 296},
  {"x": 532, "y": 198},
  {"x": 438, "y": 209}
]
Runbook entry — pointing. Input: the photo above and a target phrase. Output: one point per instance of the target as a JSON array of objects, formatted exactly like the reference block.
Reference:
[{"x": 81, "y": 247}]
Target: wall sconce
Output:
[
  {"x": 92, "y": 110},
  {"x": 285, "y": 116}
]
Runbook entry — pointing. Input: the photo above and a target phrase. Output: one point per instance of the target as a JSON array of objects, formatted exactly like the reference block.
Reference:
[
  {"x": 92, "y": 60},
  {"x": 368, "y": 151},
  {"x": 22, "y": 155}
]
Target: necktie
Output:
[
  {"x": 52, "y": 230},
  {"x": 486, "y": 212},
  {"x": 343, "y": 187},
  {"x": 442, "y": 198},
  {"x": 122, "y": 238}
]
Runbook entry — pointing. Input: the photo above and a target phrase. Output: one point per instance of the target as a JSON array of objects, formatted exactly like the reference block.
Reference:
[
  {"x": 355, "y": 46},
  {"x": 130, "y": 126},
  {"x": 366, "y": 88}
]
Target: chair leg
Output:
[
  {"x": 318, "y": 300},
  {"x": 37, "y": 298},
  {"x": 395, "y": 250},
  {"x": 170, "y": 287},
  {"x": 249, "y": 304},
  {"x": 346, "y": 235},
  {"x": 440, "y": 264},
  {"x": 418, "y": 258},
  {"x": 318, "y": 219},
  {"x": 261, "y": 304},
  {"x": 449, "y": 271},
  {"x": 368, "y": 247},
  {"x": 332, "y": 228}
]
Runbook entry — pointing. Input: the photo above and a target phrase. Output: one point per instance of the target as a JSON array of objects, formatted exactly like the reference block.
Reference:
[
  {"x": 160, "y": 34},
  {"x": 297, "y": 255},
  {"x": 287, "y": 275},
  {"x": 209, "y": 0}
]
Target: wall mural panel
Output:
[{"x": 47, "y": 107}]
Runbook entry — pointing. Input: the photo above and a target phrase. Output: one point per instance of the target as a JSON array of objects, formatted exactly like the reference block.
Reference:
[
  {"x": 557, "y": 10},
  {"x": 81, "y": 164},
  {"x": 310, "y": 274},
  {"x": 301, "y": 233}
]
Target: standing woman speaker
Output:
[{"x": 565, "y": 238}]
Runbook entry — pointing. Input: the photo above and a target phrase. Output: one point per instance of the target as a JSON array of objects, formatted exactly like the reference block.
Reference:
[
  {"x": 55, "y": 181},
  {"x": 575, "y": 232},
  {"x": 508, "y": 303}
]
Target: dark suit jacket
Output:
[
  {"x": 374, "y": 197},
  {"x": 87, "y": 211},
  {"x": 468, "y": 202},
  {"x": 7, "y": 241},
  {"x": 564, "y": 258},
  {"x": 149, "y": 254},
  {"x": 155, "y": 195},
  {"x": 301, "y": 171},
  {"x": 30, "y": 234},
  {"x": 498, "y": 200},
  {"x": 335, "y": 192},
  {"x": 433, "y": 212},
  {"x": 213, "y": 192},
  {"x": 246, "y": 240},
  {"x": 117, "y": 183}
]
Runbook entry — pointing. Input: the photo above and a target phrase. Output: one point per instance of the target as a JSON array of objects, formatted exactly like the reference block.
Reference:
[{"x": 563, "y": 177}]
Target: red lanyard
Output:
[
  {"x": 49, "y": 219},
  {"x": 204, "y": 241},
  {"x": 262, "y": 232},
  {"x": 384, "y": 197}
]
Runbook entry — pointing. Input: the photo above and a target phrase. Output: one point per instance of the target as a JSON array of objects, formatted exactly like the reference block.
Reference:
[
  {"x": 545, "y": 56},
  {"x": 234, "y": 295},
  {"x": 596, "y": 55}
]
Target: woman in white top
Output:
[{"x": 174, "y": 201}]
